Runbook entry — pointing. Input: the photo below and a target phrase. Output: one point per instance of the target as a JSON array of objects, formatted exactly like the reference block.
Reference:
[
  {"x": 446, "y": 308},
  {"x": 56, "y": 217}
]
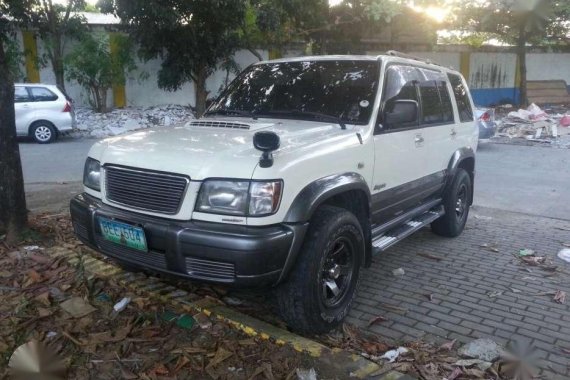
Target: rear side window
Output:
[
  {"x": 42, "y": 94},
  {"x": 21, "y": 95},
  {"x": 462, "y": 98},
  {"x": 436, "y": 102}
]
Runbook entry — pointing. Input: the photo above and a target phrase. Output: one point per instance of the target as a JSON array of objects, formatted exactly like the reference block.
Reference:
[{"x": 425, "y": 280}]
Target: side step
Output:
[{"x": 385, "y": 240}]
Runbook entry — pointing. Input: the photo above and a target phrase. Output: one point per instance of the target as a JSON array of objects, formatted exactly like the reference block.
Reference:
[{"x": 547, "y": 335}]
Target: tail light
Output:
[
  {"x": 67, "y": 107},
  {"x": 485, "y": 117}
]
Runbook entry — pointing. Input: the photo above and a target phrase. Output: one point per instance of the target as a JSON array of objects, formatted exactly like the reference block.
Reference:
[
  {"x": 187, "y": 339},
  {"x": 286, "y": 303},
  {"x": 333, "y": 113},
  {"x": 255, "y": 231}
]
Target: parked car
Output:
[
  {"x": 298, "y": 173},
  {"x": 486, "y": 122},
  {"x": 43, "y": 111}
]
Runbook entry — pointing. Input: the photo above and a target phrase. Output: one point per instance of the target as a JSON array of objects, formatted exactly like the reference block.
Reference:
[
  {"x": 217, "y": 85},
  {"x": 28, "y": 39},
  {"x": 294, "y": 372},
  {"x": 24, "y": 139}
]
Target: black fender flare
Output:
[
  {"x": 310, "y": 198},
  {"x": 459, "y": 156},
  {"x": 318, "y": 191}
]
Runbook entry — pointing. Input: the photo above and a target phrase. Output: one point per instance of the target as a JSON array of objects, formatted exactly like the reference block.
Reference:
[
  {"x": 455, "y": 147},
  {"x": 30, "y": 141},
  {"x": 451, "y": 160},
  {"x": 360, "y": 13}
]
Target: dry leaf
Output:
[
  {"x": 43, "y": 299},
  {"x": 376, "y": 319},
  {"x": 559, "y": 296},
  {"x": 447, "y": 346}
]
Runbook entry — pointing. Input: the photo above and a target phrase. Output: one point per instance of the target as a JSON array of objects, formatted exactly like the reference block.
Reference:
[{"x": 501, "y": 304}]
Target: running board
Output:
[{"x": 383, "y": 241}]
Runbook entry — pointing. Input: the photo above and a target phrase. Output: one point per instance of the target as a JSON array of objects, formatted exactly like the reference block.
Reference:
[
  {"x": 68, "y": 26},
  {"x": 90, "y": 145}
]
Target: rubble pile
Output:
[
  {"x": 536, "y": 124},
  {"x": 119, "y": 121}
]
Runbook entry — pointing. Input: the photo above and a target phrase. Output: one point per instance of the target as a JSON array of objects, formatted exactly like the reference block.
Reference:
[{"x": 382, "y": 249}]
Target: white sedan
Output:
[{"x": 42, "y": 111}]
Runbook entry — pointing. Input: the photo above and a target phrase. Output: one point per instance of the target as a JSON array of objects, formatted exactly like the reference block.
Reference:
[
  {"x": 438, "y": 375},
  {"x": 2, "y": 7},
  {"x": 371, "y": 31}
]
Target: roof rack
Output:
[{"x": 396, "y": 53}]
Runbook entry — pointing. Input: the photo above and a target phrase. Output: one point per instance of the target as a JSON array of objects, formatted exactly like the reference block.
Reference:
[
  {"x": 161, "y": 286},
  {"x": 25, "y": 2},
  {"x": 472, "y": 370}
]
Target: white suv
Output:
[
  {"x": 42, "y": 111},
  {"x": 298, "y": 173}
]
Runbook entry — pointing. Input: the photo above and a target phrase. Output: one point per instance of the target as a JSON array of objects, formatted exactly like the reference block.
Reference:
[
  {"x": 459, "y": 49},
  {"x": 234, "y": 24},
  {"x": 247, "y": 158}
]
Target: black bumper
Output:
[{"x": 211, "y": 252}]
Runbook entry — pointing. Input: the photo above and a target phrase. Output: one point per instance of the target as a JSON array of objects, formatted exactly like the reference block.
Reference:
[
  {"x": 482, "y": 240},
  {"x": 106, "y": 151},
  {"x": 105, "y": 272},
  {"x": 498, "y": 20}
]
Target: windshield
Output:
[{"x": 303, "y": 90}]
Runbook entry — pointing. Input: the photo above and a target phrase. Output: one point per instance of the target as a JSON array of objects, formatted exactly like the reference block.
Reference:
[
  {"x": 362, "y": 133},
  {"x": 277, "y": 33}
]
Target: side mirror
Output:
[
  {"x": 404, "y": 111},
  {"x": 266, "y": 142}
]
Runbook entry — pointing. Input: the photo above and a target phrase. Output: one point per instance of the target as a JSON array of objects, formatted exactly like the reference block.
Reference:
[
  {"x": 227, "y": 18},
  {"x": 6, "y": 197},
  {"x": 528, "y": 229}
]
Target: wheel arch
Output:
[
  {"x": 463, "y": 158},
  {"x": 346, "y": 190},
  {"x": 33, "y": 124}
]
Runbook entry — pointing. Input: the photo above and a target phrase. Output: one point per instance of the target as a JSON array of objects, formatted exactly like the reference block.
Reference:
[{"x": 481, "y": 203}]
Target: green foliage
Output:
[
  {"x": 93, "y": 66},
  {"x": 191, "y": 36},
  {"x": 55, "y": 23}
]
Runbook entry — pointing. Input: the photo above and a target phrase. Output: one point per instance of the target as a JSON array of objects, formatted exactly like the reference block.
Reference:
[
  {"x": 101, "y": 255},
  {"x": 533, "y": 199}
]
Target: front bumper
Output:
[{"x": 211, "y": 252}]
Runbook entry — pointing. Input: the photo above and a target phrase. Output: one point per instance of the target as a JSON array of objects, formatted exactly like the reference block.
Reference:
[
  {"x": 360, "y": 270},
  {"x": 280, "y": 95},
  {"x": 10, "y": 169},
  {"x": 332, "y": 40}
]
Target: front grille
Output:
[
  {"x": 145, "y": 190},
  {"x": 147, "y": 259},
  {"x": 210, "y": 269},
  {"x": 219, "y": 124}
]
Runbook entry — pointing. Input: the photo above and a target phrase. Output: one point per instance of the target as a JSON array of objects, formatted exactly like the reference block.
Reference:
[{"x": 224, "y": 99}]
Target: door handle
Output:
[
  {"x": 453, "y": 133},
  {"x": 419, "y": 139}
]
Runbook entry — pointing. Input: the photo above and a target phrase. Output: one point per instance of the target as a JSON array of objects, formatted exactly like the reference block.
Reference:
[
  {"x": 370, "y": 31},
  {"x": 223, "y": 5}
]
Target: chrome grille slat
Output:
[
  {"x": 144, "y": 189},
  {"x": 219, "y": 124},
  {"x": 210, "y": 269}
]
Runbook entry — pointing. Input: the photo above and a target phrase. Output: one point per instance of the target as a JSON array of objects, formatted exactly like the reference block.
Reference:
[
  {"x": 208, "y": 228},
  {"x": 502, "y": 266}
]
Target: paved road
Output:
[
  {"x": 59, "y": 162},
  {"x": 532, "y": 180}
]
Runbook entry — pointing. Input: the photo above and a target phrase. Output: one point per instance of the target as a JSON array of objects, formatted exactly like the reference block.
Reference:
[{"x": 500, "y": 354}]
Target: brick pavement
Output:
[{"x": 462, "y": 286}]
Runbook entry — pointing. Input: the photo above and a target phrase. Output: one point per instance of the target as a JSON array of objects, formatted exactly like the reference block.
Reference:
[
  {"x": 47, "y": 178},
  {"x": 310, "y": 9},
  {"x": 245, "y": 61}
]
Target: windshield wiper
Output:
[
  {"x": 232, "y": 112},
  {"x": 314, "y": 115}
]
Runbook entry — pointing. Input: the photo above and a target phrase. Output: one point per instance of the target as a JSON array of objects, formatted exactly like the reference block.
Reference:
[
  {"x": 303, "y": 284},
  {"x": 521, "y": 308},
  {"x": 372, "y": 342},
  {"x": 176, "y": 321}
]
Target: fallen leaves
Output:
[
  {"x": 77, "y": 307},
  {"x": 492, "y": 247},
  {"x": 430, "y": 256},
  {"x": 559, "y": 296},
  {"x": 376, "y": 320}
]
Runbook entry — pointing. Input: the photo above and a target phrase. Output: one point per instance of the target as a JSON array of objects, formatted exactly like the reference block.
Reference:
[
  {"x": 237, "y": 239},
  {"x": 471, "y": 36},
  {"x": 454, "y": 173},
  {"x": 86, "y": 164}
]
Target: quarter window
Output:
[
  {"x": 21, "y": 95},
  {"x": 462, "y": 98},
  {"x": 41, "y": 94}
]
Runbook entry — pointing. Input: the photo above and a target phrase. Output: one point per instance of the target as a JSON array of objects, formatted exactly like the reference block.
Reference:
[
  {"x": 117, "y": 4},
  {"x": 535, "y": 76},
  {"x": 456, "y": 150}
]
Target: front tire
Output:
[
  {"x": 321, "y": 287},
  {"x": 43, "y": 132},
  {"x": 456, "y": 202}
]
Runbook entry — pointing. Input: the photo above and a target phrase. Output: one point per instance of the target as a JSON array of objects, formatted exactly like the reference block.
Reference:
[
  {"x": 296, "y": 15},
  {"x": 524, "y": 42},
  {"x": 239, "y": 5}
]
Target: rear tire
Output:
[
  {"x": 320, "y": 289},
  {"x": 456, "y": 204},
  {"x": 43, "y": 132}
]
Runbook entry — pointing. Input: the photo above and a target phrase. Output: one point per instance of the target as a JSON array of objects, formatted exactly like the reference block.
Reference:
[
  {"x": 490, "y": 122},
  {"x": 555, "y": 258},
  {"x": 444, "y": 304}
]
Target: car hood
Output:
[{"x": 212, "y": 147}]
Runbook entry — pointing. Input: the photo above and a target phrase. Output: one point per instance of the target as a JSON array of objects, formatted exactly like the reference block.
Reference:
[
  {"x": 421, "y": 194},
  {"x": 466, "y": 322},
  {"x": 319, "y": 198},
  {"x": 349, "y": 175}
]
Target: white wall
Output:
[
  {"x": 492, "y": 70},
  {"x": 548, "y": 66}
]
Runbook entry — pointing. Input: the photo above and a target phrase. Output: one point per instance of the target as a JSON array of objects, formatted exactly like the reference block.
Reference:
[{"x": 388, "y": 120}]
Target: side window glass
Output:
[
  {"x": 21, "y": 95},
  {"x": 436, "y": 102},
  {"x": 400, "y": 102},
  {"x": 41, "y": 94},
  {"x": 462, "y": 98},
  {"x": 447, "y": 108}
]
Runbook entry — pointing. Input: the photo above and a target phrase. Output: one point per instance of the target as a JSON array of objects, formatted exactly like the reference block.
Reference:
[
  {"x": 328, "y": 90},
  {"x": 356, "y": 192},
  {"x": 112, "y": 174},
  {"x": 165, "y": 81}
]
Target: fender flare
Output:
[
  {"x": 318, "y": 191},
  {"x": 457, "y": 158},
  {"x": 310, "y": 198}
]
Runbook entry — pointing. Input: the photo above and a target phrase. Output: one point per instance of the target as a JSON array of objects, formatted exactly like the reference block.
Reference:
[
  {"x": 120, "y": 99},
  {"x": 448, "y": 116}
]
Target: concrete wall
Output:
[
  {"x": 143, "y": 92},
  {"x": 491, "y": 72}
]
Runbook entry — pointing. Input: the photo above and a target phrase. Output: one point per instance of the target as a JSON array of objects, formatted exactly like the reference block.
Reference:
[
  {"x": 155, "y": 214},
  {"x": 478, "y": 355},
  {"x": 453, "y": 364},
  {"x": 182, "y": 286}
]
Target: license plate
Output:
[{"x": 124, "y": 234}]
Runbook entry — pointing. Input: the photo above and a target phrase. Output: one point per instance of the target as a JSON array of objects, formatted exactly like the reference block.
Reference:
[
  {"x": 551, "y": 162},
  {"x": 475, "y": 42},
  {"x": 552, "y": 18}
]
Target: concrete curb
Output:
[{"x": 354, "y": 366}]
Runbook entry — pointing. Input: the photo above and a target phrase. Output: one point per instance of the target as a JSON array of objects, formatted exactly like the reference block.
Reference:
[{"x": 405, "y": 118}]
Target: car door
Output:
[
  {"x": 401, "y": 162},
  {"x": 437, "y": 121},
  {"x": 24, "y": 109},
  {"x": 467, "y": 132}
]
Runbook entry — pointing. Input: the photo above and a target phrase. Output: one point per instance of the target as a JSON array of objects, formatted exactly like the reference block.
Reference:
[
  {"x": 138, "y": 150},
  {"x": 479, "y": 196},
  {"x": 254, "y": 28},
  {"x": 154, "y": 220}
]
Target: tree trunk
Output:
[
  {"x": 13, "y": 212},
  {"x": 201, "y": 92},
  {"x": 57, "y": 60},
  {"x": 521, "y": 55}
]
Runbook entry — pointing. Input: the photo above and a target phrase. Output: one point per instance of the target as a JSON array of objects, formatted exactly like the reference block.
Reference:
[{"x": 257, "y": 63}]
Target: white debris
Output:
[
  {"x": 306, "y": 374},
  {"x": 533, "y": 124},
  {"x": 32, "y": 248},
  {"x": 392, "y": 355},
  {"x": 121, "y": 305},
  {"x": 564, "y": 254},
  {"x": 119, "y": 121},
  {"x": 398, "y": 272}
]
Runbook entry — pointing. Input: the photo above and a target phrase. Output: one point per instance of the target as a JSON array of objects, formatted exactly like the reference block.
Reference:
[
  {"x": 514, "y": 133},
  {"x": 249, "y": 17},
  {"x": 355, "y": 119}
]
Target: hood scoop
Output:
[{"x": 219, "y": 124}]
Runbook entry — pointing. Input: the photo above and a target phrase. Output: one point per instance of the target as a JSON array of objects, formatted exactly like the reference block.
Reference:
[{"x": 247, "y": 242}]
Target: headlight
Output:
[
  {"x": 243, "y": 198},
  {"x": 92, "y": 174}
]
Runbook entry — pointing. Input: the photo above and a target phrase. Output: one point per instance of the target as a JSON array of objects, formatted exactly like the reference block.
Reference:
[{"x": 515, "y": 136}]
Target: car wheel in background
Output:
[
  {"x": 43, "y": 132},
  {"x": 456, "y": 203}
]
